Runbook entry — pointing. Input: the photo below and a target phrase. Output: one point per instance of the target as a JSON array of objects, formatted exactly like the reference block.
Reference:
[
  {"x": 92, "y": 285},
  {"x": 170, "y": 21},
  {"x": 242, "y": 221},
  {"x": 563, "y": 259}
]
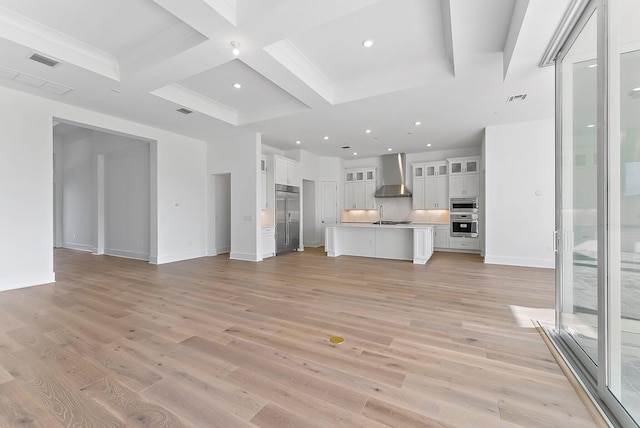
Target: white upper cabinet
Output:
[
  {"x": 286, "y": 171},
  {"x": 464, "y": 177},
  {"x": 360, "y": 188},
  {"x": 430, "y": 186}
]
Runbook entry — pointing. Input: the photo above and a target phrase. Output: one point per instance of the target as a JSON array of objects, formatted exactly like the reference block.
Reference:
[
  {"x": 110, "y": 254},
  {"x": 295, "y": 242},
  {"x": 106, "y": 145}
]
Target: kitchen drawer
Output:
[{"x": 464, "y": 243}]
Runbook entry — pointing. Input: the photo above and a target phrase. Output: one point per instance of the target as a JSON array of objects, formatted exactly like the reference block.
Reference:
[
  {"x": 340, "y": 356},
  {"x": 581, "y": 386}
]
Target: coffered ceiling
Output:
[{"x": 302, "y": 69}]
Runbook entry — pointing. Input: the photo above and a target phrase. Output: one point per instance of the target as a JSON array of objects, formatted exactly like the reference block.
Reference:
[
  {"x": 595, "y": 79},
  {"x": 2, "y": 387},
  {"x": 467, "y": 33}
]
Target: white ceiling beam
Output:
[
  {"x": 194, "y": 101},
  {"x": 287, "y": 54},
  {"x": 199, "y": 15},
  {"x": 49, "y": 42},
  {"x": 265, "y": 64},
  {"x": 447, "y": 28},
  {"x": 515, "y": 28},
  {"x": 226, "y": 9}
]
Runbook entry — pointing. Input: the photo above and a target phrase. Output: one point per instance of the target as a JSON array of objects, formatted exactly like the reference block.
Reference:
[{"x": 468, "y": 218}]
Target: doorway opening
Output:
[
  {"x": 102, "y": 192},
  {"x": 310, "y": 223},
  {"x": 219, "y": 209}
]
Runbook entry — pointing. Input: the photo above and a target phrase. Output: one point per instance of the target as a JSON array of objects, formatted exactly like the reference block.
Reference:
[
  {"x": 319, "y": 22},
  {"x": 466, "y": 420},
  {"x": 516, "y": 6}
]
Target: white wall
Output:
[
  {"x": 239, "y": 155},
  {"x": 57, "y": 190},
  {"x": 520, "y": 193},
  {"x": 77, "y": 191},
  {"x": 26, "y": 192},
  {"x": 126, "y": 202},
  {"x": 26, "y": 187}
]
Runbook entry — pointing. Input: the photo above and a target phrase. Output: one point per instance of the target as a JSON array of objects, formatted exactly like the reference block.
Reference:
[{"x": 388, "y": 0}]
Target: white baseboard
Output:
[
  {"x": 76, "y": 246},
  {"x": 313, "y": 244},
  {"x": 22, "y": 281},
  {"x": 177, "y": 257},
  {"x": 247, "y": 257},
  {"x": 520, "y": 261},
  {"x": 127, "y": 254},
  {"x": 223, "y": 250}
]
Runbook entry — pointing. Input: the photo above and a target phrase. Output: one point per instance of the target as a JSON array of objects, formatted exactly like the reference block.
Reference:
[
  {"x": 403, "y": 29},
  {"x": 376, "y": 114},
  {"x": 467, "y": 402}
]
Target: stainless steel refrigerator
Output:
[{"x": 287, "y": 219}]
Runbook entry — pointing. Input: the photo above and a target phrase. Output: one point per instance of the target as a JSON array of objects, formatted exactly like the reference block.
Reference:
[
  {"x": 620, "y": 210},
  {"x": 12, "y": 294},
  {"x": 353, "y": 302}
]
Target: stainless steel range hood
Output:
[{"x": 394, "y": 173}]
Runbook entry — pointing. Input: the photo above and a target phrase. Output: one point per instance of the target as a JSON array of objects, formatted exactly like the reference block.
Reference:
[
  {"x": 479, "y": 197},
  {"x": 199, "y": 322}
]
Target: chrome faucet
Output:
[{"x": 380, "y": 210}]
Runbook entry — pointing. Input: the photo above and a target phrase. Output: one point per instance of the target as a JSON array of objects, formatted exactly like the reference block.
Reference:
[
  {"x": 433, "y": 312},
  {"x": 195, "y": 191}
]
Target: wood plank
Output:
[
  {"x": 397, "y": 416},
  {"x": 219, "y": 342},
  {"x": 53, "y": 391},
  {"x": 19, "y": 409},
  {"x": 130, "y": 406},
  {"x": 193, "y": 405}
]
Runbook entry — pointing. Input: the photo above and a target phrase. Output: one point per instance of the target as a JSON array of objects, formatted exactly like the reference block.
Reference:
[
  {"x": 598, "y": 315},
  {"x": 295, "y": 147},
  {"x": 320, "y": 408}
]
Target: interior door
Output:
[{"x": 329, "y": 205}]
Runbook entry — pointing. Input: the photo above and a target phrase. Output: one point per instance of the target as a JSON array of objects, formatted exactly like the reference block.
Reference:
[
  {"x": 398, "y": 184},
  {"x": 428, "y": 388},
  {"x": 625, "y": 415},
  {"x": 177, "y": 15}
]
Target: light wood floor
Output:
[{"x": 216, "y": 342}]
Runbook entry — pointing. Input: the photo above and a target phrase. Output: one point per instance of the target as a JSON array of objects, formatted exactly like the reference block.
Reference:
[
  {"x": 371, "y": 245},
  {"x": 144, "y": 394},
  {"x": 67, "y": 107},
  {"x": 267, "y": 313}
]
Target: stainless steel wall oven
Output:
[
  {"x": 464, "y": 224},
  {"x": 463, "y": 205}
]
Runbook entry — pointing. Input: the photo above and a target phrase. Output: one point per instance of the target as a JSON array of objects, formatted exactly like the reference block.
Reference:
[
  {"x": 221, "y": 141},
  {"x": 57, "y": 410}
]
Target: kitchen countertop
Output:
[{"x": 392, "y": 226}]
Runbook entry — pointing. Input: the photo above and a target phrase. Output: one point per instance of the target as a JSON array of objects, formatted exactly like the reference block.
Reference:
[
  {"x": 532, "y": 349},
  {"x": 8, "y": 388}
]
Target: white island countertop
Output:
[
  {"x": 406, "y": 241},
  {"x": 395, "y": 226}
]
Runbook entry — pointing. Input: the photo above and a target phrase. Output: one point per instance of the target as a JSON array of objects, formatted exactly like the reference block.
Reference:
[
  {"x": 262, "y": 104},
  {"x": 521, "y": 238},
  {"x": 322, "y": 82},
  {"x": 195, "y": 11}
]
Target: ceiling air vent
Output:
[
  {"x": 44, "y": 60},
  {"x": 346, "y": 147},
  {"x": 184, "y": 111},
  {"x": 513, "y": 98}
]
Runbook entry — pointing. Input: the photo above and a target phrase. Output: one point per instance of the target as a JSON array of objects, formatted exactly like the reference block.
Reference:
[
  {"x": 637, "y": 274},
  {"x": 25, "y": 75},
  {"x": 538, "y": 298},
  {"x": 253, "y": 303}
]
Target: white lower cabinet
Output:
[
  {"x": 441, "y": 236},
  {"x": 268, "y": 242}
]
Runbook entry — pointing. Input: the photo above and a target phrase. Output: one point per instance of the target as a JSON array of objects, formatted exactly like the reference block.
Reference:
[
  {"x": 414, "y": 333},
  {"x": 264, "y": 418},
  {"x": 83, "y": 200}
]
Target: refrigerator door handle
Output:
[{"x": 287, "y": 223}]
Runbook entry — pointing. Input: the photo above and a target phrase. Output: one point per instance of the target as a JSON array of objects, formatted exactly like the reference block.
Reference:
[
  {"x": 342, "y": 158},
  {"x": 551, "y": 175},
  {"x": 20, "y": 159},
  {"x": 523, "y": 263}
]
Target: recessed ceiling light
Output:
[
  {"x": 237, "y": 85},
  {"x": 417, "y": 123},
  {"x": 389, "y": 149},
  {"x": 429, "y": 145},
  {"x": 591, "y": 126},
  {"x": 367, "y": 131},
  {"x": 636, "y": 89},
  {"x": 326, "y": 137},
  {"x": 298, "y": 142},
  {"x": 367, "y": 43},
  {"x": 355, "y": 153}
]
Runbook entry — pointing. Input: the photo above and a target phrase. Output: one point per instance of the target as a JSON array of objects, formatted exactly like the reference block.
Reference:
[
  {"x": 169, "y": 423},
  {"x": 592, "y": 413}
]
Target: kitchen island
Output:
[{"x": 395, "y": 241}]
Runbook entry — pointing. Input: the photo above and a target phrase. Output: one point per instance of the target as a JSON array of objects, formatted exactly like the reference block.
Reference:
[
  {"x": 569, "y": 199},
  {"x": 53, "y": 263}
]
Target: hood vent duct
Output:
[{"x": 394, "y": 173}]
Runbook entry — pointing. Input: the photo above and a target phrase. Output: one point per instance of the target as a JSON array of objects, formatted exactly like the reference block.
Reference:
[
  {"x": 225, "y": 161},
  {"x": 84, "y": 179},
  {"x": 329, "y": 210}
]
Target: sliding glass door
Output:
[
  {"x": 623, "y": 204},
  {"x": 578, "y": 318},
  {"x": 598, "y": 209}
]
